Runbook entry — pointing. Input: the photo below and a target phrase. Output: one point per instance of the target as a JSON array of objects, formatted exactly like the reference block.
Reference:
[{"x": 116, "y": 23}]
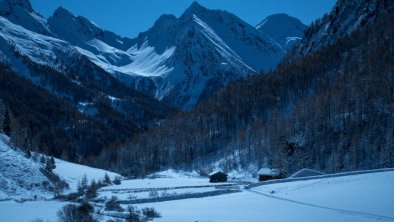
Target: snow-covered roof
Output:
[
  {"x": 268, "y": 172},
  {"x": 306, "y": 173}
]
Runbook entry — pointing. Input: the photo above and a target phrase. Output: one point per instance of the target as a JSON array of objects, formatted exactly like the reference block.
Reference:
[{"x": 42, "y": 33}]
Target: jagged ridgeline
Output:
[{"x": 331, "y": 108}]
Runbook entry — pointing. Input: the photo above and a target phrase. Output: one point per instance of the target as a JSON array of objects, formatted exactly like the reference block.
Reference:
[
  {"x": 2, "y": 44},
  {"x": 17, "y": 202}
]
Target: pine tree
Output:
[
  {"x": 50, "y": 164},
  {"x": 42, "y": 159},
  {"x": 107, "y": 180},
  {"x": 91, "y": 192},
  {"x": 7, "y": 124},
  {"x": 2, "y": 115},
  {"x": 84, "y": 182}
]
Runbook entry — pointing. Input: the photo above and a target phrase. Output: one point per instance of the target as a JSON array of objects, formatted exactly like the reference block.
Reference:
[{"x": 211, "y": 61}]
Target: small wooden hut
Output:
[
  {"x": 217, "y": 177},
  {"x": 268, "y": 174}
]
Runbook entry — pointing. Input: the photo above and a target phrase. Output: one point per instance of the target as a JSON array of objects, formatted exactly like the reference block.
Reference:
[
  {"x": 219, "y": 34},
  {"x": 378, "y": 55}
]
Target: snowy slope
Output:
[
  {"x": 111, "y": 52},
  {"x": 41, "y": 49},
  {"x": 20, "y": 177},
  {"x": 73, "y": 173},
  {"x": 284, "y": 29},
  {"x": 104, "y": 48}
]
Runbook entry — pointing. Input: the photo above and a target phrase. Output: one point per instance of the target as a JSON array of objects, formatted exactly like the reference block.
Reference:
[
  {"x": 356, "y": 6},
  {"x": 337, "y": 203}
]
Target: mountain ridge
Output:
[
  {"x": 284, "y": 29},
  {"x": 343, "y": 19},
  {"x": 22, "y": 13},
  {"x": 156, "y": 63}
]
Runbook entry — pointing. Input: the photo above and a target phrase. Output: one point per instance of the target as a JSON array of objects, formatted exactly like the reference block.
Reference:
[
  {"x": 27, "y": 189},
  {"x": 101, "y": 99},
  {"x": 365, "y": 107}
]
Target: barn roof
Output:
[
  {"x": 216, "y": 172},
  {"x": 268, "y": 172}
]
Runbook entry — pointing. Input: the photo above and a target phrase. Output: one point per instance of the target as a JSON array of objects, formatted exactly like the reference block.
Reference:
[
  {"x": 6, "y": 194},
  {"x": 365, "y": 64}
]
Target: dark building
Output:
[
  {"x": 217, "y": 177},
  {"x": 269, "y": 174}
]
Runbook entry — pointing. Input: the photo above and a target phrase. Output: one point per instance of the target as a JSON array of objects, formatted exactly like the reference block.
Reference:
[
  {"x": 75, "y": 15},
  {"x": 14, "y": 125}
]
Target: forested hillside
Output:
[
  {"x": 331, "y": 110},
  {"x": 38, "y": 120}
]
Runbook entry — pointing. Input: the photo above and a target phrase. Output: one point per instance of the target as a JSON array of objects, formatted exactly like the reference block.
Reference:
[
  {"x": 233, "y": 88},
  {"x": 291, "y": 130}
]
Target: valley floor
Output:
[
  {"x": 367, "y": 197},
  {"x": 363, "y": 197}
]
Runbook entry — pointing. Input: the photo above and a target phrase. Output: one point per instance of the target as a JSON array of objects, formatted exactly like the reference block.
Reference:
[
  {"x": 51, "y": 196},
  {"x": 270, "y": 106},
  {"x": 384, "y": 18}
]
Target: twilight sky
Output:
[{"x": 129, "y": 17}]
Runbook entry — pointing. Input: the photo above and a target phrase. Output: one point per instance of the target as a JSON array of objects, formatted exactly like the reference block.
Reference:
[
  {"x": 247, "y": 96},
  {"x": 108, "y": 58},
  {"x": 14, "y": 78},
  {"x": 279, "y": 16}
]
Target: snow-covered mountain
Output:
[
  {"x": 284, "y": 29},
  {"x": 179, "y": 60},
  {"x": 58, "y": 67},
  {"x": 20, "y": 12},
  {"x": 206, "y": 49},
  {"x": 345, "y": 17},
  {"x": 16, "y": 41},
  {"x": 102, "y": 47}
]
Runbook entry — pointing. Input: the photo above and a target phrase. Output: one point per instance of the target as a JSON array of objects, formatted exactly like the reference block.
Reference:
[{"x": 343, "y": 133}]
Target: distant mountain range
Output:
[{"x": 179, "y": 60}]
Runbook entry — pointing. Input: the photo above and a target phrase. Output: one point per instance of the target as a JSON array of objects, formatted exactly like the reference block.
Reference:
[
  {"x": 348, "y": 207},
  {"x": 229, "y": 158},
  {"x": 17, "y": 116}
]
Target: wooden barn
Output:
[
  {"x": 217, "y": 177},
  {"x": 269, "y": 174}
]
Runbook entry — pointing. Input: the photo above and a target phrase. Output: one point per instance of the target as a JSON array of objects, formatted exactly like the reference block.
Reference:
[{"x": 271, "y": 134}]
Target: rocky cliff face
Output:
[{"x": 346, "y": 16}]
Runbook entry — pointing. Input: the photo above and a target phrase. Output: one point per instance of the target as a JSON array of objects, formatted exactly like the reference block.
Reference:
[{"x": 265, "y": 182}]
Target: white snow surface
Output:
[
  {"x": 12, "y": 211},
  {"x": 73, "y": 173},
  {"x": 306, "y": 172},
  {"x": 366, "y": 197},
  {"x": 268, "y": 172},
  {"x": 147, "y": 62},
  {"x": 165, "y": 179}
]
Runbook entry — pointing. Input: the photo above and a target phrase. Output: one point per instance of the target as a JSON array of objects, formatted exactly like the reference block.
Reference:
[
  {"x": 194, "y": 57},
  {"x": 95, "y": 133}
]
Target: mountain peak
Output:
[
  {"x": 20, "y": 12},
  {"x": 64, "y": 19},
  {"x": 62, "y": 13},
  {"x": 280, "y": 18},
  {"x": 284, "y": 29},
  {"x": 195, "y": 7},
  {"x": 165, "y": 19},
  {"x": 7, "y": 6}
]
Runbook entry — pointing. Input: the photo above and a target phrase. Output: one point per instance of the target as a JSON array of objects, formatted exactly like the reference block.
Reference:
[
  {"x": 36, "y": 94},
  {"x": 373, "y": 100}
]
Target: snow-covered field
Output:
[
  {"x": 366, "y": 197},
  {"x": 12, "y": 211},
  {"x": 182, "y": 196}
]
